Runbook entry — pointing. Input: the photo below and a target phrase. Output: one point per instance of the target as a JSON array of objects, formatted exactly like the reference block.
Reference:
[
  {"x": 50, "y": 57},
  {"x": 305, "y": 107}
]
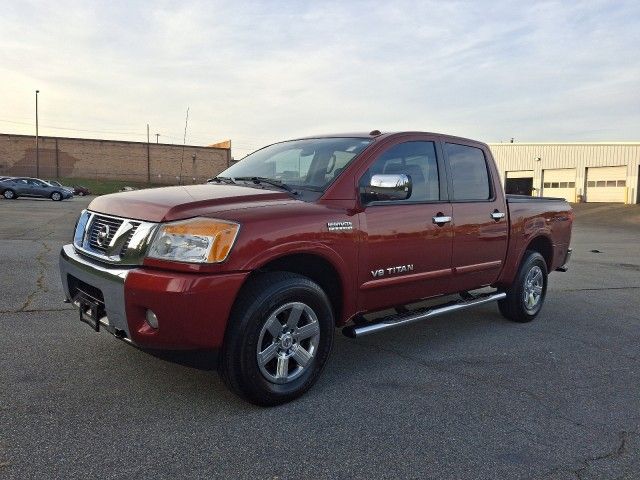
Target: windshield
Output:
[{"x": 311, "y": 163}]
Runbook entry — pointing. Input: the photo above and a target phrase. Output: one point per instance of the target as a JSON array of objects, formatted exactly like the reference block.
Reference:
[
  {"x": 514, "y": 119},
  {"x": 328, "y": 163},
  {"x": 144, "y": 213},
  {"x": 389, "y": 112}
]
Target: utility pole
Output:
[
  {"x": 157, "y": 137},
  {"x": 184, "y": 142},
  {"x": 148, "y": 158},
  {"x": 37, "y": 139}
]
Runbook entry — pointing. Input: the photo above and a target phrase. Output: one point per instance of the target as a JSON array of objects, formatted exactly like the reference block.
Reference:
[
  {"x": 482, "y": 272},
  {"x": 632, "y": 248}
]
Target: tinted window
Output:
[
  {"x": 416, "y": 160},
  {"x": 468, "y": 172}
]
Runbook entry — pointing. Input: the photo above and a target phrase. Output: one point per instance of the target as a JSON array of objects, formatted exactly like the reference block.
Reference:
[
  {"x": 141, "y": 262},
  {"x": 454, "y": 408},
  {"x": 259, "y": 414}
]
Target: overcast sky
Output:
[{"x": 264, "y": 71}]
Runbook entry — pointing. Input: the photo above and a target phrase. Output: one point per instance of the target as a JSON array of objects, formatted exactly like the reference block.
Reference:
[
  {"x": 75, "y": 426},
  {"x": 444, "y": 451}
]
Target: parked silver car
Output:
[{"x": 32, "y": 187}]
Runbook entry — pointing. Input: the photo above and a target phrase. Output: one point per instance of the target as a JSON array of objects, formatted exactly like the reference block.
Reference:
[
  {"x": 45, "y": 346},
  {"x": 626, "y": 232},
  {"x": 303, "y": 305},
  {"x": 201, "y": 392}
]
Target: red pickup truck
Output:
[{"x": 266, "y": 259}]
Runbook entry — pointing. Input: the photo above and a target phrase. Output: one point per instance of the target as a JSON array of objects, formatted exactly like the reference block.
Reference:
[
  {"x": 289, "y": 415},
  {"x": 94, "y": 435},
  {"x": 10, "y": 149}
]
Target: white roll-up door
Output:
[
  {"x": 559, "y": 182},
  {"x": 520, "y": 174},
  {"x": 607, "y": 184}
]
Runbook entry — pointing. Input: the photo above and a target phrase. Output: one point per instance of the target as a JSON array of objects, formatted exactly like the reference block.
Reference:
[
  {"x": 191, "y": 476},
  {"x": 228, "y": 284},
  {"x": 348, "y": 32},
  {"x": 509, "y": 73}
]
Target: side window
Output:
[
  {"x": 418, "y": 161},
  {"x": 469, "y": 172}
]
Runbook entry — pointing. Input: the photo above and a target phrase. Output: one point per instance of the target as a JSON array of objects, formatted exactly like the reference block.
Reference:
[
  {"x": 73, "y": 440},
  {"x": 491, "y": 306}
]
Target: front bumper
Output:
[
  {"x": 565, "y": 265},
  {"x": 192, "y": 309}
]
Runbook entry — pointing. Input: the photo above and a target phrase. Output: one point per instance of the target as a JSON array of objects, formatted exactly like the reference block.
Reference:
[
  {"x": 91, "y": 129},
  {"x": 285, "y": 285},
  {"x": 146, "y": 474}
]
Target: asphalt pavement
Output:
[{"x": 464, "y": 396}]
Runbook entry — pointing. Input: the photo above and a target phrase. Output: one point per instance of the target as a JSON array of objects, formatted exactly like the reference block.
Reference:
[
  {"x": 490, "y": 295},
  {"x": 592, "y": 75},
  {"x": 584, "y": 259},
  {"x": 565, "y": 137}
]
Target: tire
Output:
[
  {"x": 56, "y": 196},
  {"x": 81, "y": 194},
  {"x": 9, "y": 194},
  {"x": 268, "y": 368},
  {"x": 526, "y": 295}
]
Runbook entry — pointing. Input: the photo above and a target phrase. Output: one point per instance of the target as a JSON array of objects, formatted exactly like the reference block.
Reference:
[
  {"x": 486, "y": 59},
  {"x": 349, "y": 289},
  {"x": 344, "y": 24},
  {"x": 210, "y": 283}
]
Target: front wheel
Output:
[
  {"x": 9, "y": 194},
  {"x": 56, "y": 196},
  {"x": 526, "y": 295},
  {"x": 279, "y": 338}
]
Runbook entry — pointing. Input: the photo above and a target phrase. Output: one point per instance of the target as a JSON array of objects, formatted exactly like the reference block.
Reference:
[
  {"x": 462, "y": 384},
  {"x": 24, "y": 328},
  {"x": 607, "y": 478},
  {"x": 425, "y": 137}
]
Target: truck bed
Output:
[
  {"x": 532, "y": 217},
  {"x": 526, "y": 199}
]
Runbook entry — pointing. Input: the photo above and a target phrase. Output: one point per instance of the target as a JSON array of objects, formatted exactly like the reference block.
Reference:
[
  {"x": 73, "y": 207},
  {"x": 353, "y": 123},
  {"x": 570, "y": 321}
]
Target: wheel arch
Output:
[
  {"x": 313, "y": 266},
  {"x": 544, "y": 246}
]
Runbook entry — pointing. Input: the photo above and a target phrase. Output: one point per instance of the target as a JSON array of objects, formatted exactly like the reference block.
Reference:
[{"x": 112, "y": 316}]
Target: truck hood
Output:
[{"x": 176, "y": 203}]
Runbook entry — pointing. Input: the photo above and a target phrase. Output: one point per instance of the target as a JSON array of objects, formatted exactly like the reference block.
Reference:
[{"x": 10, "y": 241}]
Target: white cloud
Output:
[{"x": 262, "y": 71}]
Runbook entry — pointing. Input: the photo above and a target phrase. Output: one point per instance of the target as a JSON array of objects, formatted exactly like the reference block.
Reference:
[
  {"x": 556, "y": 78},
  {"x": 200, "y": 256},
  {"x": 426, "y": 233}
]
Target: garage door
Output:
[
  {"x": 607, "y": 184},
  {"x": 519, "y": 182},
  {"x": 560, "y": 182}
]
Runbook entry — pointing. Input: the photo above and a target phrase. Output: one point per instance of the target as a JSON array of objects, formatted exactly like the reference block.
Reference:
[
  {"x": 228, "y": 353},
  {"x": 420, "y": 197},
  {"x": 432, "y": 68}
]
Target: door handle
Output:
[
  {"x": 496, "y": 215},
  {"x": 440, "y": 219}
]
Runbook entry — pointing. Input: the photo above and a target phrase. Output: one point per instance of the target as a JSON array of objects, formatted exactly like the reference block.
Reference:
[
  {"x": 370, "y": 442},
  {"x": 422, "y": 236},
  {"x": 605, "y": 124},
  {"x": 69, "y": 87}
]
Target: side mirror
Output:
[{"x": 394, "y": 186}]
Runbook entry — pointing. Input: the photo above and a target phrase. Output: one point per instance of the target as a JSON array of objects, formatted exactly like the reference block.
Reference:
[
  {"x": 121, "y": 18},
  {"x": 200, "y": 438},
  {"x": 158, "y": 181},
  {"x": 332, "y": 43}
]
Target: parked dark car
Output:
[
  {"x": 81, "y": 191},
  {"x": 76, "y": 189},
  {"x": 32, "y": 187},
  {"x": 55, "y": 183}
]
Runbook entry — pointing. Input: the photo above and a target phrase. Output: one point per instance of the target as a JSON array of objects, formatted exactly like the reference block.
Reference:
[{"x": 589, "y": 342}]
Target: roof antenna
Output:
[{"x": 375, "y": 133}]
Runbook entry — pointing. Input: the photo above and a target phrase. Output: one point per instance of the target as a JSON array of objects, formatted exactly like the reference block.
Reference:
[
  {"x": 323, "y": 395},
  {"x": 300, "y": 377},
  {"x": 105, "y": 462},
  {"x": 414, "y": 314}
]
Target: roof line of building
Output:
[{"x": 110, "y": 140}]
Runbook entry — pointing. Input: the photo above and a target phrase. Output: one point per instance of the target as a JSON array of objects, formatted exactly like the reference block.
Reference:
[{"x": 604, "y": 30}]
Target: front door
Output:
[{"x": 406, "y": 253}]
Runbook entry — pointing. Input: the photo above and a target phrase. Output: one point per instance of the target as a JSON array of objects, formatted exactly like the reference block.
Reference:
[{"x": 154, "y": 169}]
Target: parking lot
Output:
[{"x": 467, "y": 395}]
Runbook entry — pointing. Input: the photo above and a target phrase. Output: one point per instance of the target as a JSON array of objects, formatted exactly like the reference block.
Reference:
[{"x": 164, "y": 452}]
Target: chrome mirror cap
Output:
[{"x": 390, "y": 186}]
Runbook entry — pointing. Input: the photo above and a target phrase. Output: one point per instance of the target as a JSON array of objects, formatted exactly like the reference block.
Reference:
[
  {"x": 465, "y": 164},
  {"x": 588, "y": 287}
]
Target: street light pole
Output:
[{"x": 37, "y": 139}]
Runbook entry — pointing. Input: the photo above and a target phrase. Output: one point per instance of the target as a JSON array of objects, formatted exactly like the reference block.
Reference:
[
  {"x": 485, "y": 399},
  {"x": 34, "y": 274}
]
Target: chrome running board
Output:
[{"x": 402, "y": 319}]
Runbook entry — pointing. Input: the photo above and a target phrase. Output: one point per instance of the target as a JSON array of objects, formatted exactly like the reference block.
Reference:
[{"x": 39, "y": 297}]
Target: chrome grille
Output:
[
  {"x": 97, "y": 225},
  {"x": 135, "y": 226},
  {"x": 123, "y": 241}
]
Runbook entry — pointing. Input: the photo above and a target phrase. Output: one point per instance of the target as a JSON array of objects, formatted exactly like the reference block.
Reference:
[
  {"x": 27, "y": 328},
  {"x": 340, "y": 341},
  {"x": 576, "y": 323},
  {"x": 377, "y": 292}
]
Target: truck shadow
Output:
[
  {"x": 435, "y": 333},
  {"x": 205, "y": 360}
]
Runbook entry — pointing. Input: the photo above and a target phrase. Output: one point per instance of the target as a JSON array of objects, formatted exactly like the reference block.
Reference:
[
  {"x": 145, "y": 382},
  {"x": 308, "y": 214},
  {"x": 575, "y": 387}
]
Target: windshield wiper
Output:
[
  {"x": 222, "y": 180},
  {"x": 269, "y": 181}
]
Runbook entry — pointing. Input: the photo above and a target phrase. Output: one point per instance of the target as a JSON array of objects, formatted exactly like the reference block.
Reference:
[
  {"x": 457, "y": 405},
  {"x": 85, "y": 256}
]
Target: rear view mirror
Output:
[
  {"x": 305, "y": 152},
  {"x": 395, "y": 186}
]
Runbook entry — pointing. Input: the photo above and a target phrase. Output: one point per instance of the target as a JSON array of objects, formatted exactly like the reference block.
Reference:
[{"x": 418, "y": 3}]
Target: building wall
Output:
[
  {"x": 523, "y": 156},
  {"x": 109, "y": 159}
]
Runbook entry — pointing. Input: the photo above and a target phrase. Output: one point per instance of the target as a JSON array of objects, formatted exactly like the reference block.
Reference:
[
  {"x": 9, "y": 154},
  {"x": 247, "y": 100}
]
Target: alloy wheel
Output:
[
  {"x": 288, "y": 342},
  {"x": 533, "y": 287}
]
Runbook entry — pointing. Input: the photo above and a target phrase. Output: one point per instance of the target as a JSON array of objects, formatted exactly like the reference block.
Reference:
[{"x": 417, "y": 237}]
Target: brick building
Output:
[{"x": 109, "y": 159}]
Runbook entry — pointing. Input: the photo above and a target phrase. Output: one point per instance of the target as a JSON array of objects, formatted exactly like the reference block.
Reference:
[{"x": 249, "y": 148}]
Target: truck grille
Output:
[
  {"x": 101, "y": 224},
  {"x": 135, "y": 226},
  {"x": 112, "y": 239}
]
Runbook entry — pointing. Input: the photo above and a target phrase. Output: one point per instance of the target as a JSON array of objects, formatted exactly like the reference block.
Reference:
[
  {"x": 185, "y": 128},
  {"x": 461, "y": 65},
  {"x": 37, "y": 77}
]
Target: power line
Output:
[{"x": 199, "y": 136}]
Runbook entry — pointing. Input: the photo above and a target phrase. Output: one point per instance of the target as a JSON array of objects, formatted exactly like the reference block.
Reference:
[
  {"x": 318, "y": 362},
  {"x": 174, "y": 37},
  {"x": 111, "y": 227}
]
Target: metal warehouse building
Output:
[{"x": 590, "y": 172}]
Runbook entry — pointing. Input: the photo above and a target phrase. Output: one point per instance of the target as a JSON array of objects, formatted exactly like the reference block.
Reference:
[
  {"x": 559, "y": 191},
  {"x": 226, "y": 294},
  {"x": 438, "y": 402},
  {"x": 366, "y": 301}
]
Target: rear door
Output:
[
  {"x": 22, "y": 186},
  {"x": 480, "y": 224},
  {"x": 405, "y": 255},
  {"x": 38, "y": 189}
]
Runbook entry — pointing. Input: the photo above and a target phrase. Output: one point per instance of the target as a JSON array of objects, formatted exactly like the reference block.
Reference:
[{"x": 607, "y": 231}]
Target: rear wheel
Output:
[
  {"x": 278, "y": 340},
  {"x": 9, "y": 194},
  {"x": 56, "y": 196},
  {"x": 526, "y": 295}
]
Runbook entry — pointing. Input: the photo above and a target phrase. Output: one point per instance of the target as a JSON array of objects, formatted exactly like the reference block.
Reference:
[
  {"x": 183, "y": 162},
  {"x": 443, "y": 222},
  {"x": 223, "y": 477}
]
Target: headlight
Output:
[
  {"x": 81, "y": 226},
  {"x": 198, "y": 240}
]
